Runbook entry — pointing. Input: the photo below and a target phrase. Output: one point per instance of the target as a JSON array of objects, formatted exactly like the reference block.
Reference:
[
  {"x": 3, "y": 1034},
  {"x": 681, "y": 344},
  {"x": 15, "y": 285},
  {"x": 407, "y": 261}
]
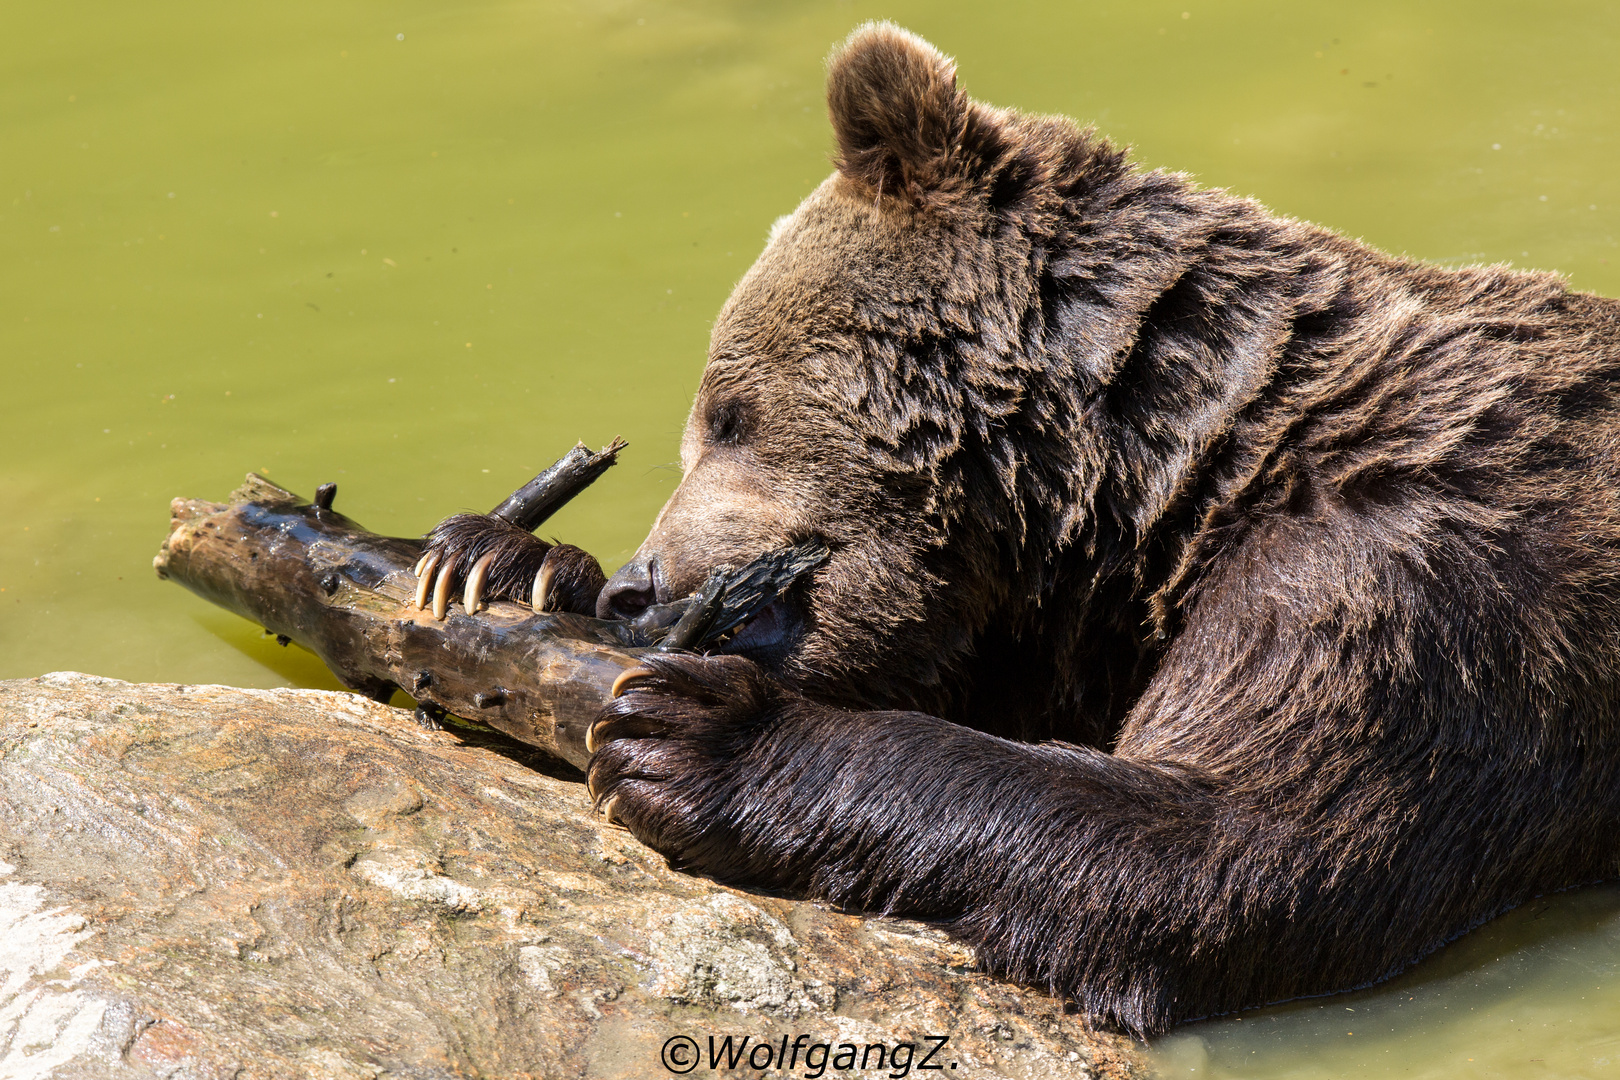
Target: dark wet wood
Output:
[
  {"x": 532, "y": 504},
  {"x": 310, "y": 574}
]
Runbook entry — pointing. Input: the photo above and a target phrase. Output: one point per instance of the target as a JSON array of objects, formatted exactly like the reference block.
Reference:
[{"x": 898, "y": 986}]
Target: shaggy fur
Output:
[{"x": 1309, "y": 556}]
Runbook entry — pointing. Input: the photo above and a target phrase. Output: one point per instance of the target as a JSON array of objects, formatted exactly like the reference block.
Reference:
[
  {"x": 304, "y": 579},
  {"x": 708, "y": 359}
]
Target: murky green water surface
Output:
[{"x": 421, "y": 248}]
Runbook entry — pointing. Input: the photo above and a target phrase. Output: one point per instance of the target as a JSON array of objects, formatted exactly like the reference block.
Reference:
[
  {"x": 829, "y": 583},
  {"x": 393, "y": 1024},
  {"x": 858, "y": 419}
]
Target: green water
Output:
[
  {"x": 420, "y": 249},
  {"x": 1534, "y": 994}
]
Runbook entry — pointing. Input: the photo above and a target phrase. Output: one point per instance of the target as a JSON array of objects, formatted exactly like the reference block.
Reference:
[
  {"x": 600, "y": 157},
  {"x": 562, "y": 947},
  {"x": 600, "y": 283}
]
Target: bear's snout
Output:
[{"x": 632, "y": 589}]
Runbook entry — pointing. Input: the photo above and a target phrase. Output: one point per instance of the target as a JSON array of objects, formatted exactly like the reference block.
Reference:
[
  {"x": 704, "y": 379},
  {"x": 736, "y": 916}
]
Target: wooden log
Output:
[{"x": 309, "y": 574}]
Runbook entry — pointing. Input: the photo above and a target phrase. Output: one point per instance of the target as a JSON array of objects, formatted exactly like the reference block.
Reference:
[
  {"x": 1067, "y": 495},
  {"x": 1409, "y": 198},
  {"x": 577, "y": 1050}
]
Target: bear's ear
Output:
[{"x": 895, "y": 109}]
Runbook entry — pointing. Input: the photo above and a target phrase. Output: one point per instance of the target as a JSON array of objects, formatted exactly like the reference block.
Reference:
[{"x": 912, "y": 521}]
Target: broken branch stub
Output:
[{"x": 530, "y": 505}]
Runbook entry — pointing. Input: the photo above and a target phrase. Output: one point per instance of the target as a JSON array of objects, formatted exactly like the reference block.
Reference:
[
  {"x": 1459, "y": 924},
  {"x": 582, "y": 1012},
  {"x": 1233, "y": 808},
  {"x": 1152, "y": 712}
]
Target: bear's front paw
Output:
[
  {"x": 670, "y": 755},
  {"x": 487, "y": 557}
]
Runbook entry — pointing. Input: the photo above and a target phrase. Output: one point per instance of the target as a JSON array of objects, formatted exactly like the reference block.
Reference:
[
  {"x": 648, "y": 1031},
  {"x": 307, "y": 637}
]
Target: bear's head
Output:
[{"x": 895, "y": 377}]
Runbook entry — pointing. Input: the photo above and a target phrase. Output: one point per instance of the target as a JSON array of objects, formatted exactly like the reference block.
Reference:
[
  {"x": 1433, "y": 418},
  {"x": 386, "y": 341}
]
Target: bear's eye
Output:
[{"x": 728, "y": 422}]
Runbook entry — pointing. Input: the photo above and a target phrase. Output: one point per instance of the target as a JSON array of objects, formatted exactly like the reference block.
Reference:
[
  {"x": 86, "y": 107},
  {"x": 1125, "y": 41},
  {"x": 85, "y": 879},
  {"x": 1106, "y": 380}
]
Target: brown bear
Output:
[{"x": 1252, "y": 596}]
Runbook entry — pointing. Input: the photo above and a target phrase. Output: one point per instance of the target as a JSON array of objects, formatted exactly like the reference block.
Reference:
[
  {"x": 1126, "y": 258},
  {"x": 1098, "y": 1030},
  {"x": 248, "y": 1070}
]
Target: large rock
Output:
[{"x": 198, "y": 881}]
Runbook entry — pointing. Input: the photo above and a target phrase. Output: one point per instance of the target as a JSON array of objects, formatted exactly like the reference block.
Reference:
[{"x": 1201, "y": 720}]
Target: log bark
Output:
[{"x": 311, "y": 575}]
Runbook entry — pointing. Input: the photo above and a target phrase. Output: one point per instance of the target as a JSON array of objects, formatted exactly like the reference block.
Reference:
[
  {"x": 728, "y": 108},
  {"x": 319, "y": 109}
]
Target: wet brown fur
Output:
[{"x": 1310, "y": 556}]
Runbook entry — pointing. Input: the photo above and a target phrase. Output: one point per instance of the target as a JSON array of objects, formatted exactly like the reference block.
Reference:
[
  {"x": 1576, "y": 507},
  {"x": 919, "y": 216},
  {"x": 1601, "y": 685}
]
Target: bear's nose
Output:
[{"x": 630, "y": 591}]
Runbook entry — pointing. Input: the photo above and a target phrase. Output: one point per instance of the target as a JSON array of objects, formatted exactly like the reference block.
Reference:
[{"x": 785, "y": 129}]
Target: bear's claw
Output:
[
  {"x": 628, "y": 676},
  {"x": 441, "y": 593},
  {"x": 538, "y": 595},
  {"x": 473, "y": 595},
  {"x": 424, "y": 575}
]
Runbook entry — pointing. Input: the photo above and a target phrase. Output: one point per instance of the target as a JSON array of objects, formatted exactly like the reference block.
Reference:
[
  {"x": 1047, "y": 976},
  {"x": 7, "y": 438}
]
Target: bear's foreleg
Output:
[
  {"x": 1035, "y": 854},
  {"x": 1149, "y": 892}
]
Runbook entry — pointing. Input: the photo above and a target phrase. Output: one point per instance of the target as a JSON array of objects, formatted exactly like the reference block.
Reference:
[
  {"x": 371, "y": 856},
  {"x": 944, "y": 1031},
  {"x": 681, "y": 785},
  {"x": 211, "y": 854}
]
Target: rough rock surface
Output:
[{"x": 199, "y": 881}]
